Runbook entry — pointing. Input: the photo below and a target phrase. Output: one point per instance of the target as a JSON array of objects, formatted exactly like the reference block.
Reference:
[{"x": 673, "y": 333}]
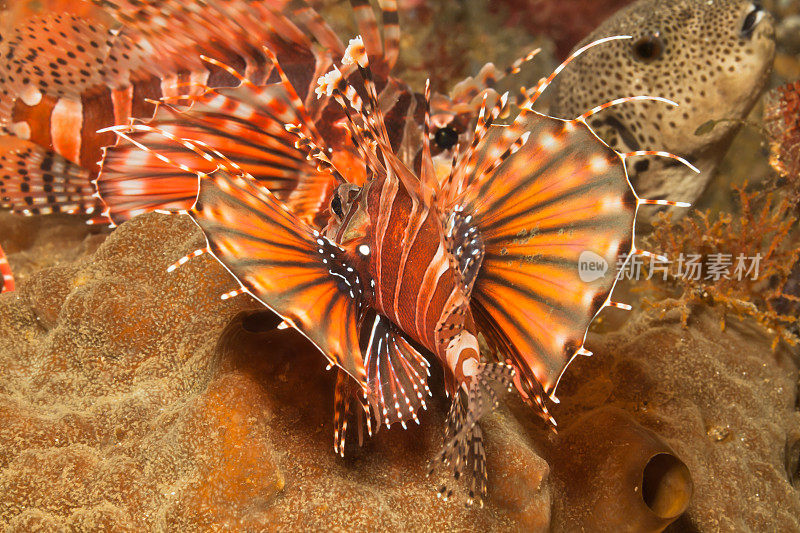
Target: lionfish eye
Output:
[
  {"x": 445, "y": 138},
  {"x": 336, "y": 205},
  {"x": 648, "y": 48},
  {"x": 752, "y": 18}
]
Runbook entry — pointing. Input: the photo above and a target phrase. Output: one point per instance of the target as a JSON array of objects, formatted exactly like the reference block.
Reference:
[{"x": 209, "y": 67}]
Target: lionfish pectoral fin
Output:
[
  {"x": 34, "y": 180},
  {"x": 463, "y": 452},
  {"x": 147, "y": 171},
  {"x": 288, "y": 266},
  {"x": 397, "y": 372},
  {"x": 350, "y": 405},
  {"x": 554, "y": 209}
]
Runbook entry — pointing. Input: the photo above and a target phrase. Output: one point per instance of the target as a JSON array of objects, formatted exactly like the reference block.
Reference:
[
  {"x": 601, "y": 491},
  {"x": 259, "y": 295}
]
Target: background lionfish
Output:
[
  {"x": 404, "y": 263},
  {"x": 72, "y": 69}
]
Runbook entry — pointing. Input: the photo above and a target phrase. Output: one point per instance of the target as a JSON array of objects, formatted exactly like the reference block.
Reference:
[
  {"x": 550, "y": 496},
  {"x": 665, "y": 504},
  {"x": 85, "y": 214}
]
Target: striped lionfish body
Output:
[{"x": 403, "y": 266}]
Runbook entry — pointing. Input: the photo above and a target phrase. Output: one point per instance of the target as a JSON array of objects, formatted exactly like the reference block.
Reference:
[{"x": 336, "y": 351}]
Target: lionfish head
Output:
[{"x": 348, "y": 216}]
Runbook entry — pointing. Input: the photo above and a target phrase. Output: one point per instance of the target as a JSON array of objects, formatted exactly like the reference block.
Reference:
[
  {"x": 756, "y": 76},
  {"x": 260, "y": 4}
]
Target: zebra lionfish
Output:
[
  {"x": 405, "y": 264},
  {"x": 72, "y": 70},
  {"x": 383, "y": 261}
]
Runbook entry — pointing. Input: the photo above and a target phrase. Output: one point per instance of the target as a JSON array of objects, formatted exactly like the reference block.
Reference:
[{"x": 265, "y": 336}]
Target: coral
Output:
[
  {"x": 135, "y": 399},
  {"x": 761, "y": 236},
  {"x": 128, "y": 405},
  {"x": 615, "y": 475},
  {"x": 724, "y": 401}
]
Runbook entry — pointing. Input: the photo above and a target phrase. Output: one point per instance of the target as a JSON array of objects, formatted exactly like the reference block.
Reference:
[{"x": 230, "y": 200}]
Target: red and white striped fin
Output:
[
  {"x": 391, "y": 32},
  {"x": 36, "y": 181},
  {"x": 465, "y": 93},
  {"x": 294, "y": 99},
  {"x": 356, "y": 54},
  {"x": 541, "y": 86},
  {"x": 659, "y": 153},
  {"x": 289, "y": 267},
  {"x": 361, "y": 132},
  {"x": 623, "y": 100},
  {"x": 241, "y": 128},
  {"x": 429, "y": 180},
  {"x": 467, "y": 161},
  {"x": 350, "y": 406},
  {"x": 176, "y": 32},
  {"x": 315, "y": 153},
  {"x": 368, "y": 28},
  {"x": 188, "y": 257},
  {"x": 6, "y": 275}
]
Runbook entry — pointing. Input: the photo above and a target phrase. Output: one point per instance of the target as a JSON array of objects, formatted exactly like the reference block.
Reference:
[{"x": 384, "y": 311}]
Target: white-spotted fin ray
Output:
[{"x": 397, "y": 373}]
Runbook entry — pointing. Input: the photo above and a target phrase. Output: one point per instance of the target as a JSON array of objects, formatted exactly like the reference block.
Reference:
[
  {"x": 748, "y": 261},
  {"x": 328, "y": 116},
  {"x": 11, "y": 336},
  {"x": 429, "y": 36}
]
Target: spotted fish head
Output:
[{"x": 711, "y": 57}]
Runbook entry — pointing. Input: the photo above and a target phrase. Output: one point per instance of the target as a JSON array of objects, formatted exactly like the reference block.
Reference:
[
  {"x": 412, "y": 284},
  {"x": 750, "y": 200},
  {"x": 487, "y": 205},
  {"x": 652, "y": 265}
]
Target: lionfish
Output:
[
  {"x": 73, "y": 69},
  {"x": 382, "y": 256},
  {"x": 405, "y": 263}
]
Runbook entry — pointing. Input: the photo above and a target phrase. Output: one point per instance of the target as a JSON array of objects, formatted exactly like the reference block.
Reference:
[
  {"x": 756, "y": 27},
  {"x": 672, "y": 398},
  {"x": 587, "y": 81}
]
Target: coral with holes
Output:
[
  {"x": 740, "y": 263},
  {"x": 723, "y": 400},
  {"x": 127, "y": 405}
]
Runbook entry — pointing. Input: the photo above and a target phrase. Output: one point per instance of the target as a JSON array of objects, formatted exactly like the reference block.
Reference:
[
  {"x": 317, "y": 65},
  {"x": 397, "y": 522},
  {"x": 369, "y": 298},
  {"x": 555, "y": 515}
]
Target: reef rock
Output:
[
  {"x": 722, "y": 400},
  {"x": 135, "y": 399}
]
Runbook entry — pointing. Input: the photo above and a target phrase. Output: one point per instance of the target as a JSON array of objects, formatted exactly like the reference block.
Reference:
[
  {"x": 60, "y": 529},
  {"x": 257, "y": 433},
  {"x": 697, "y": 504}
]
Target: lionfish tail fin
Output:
[
  {"x": 463, "y": 452},
  {"x": 397, "y": 372},
  {"x": 36, "y": 181}
]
